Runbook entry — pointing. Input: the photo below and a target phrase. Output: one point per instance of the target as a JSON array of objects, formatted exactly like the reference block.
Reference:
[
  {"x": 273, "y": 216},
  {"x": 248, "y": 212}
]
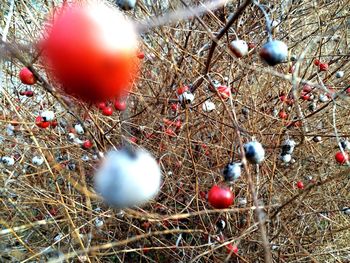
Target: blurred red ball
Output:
[{"x": 90, "y": 48}]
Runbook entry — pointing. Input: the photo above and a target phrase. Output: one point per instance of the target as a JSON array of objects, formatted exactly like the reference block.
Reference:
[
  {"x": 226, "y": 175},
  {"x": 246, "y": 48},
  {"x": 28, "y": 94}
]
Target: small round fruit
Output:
[
  {"x": 220, "y": 197},
  {"x": 140, "y": 55},
  {"x": 29, "y": 93},
  {"x": 27, "y": 77},
  {"x": 53, "y": 124},
  {"x": 341, "y": 158},
  {"x": 274, "y": 52},
  {"x": 182, "y": 89},
  {"x": 323, "y": 66},
  {"x": 300, "y": 185},
  {"x": 239, "y": 48},
  {"x": 283, "y": 115},
  {"x": 317, "y": 62},
  {"x": 41, "y": 123},
  {"x": 87, "y": 144},
  {"x": 101, "y": 105},
  {"x": 108, "y": 111},
  {"x": 224, "y": 91},
  {"x": 120, "y": 105},
  {"x": 232, "y": 249}
]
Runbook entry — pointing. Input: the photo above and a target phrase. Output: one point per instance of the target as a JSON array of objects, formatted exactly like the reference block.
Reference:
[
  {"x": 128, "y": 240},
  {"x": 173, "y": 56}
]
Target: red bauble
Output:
[
  {"x": 91, "y": 50},
  {"x": 323, "y": 66},
  {"x": 300, "y": 185},
  {"x": 87, "y": 144},
  {"x": 283, "y": 115},
  {"x": 39, "y": 121},
  {"x": 27, "y": 77},
  {"x": 220, "y": 197},
  {"x": 108, "y": 111},
  {"x": 341, "y": 158},
  {"x": 120, "y": 105}
]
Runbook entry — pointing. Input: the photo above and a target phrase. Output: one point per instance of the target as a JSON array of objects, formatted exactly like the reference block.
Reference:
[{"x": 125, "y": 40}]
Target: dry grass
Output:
[{"x": 40, "y": 203}]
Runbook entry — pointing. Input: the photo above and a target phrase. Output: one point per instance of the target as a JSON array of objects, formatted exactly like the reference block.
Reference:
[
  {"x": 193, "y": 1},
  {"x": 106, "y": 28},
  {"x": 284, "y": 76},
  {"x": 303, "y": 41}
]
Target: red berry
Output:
[
  {"x": 174, "y": 106},
  {"x": 283, "y": 115},
  {"x": 140, "y": 55},
  {"x": 341, "y": 158},
  {"x": 108, "y": 111},
  {"x": 133, "y": 139},
  {"x": 305, "y": 97},
  {"x": 27, "y": 77},
  {"x": 307, "y": 88},
  {"x": 220, "y": 197},
  {"x": 300, "y": 185},
  {"x": 22, "y": 93},
  {"x": 101, "y": 105},
  {"x": 29, "y": 93},
  {"x": 224, "y": 91},
  {"x": 87, "y": 144},
  {"x": 317, "y": 62},
  {"x": 283, "y": 98},
  {"x": 323, "y": 67},
  {"x": 39, "y": 121},
  {"x": 232, "y": 249},
  {"x": 120, "y": 105},
  {"x": 170, "y": 132},
  {"x": 53, "y": 124},
  {"x": 182, "y": 90},
  {"x": 178, "y": 124}
]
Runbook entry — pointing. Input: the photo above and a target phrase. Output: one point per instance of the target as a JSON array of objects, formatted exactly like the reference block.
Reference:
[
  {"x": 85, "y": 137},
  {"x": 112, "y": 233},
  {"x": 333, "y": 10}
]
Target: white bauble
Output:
[
  {"x": 128, "y": 178},
  {"x": 208, "y": 106},
  {"x": 254, "y": 152},
  {"x": 38, "y": 160},
  {"x": 79, "y": 129},
  {"x": 48, "y": 115},
  {"x": 239, "y": 48}
]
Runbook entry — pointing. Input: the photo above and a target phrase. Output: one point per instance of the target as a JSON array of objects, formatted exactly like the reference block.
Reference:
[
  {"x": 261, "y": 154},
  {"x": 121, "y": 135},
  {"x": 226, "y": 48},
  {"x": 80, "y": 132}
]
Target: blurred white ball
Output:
[
  {"x": 239, "y": 48},
  {"x": 254, "y": 152},
  {"x": 128, "y": 178}
]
